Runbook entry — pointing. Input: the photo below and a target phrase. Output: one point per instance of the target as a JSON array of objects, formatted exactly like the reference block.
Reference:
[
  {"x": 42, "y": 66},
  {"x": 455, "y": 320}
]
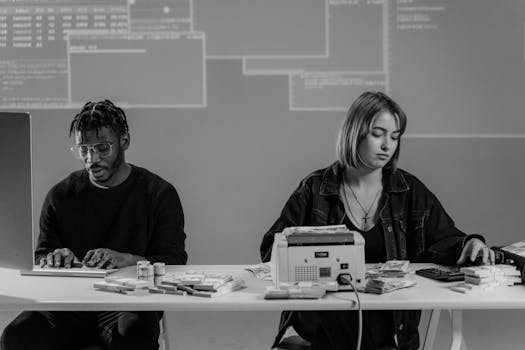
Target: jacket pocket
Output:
[
  {"x": 416, "y": 233},
  {"x": 411, "y": 234},
  {"x": 401, "y": 235}
]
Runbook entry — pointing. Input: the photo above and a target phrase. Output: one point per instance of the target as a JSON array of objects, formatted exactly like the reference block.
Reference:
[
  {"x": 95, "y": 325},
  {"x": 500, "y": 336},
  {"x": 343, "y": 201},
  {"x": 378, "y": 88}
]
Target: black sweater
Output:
[{"x": 141, "y": 216}]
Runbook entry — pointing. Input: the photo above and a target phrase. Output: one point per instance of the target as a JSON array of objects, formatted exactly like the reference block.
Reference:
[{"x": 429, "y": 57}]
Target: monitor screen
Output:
[{"x": 15, "y": 190}]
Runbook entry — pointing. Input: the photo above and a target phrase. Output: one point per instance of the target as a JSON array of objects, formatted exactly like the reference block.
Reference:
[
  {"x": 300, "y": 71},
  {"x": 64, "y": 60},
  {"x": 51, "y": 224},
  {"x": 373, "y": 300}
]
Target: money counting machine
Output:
[{"x": 320, "y": 254}]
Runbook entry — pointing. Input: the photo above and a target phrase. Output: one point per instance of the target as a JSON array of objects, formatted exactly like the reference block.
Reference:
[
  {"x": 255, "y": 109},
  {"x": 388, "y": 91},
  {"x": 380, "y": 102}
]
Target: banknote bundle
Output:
[
  {"x": 387, "y": 277},
  {"x": 380, "y": 285},
  {"x": 391, "y": 268},
  {"x": 297, "y": 290},
  {"x": 488, "y": 277},
  {"x": 200, "y": 284}
]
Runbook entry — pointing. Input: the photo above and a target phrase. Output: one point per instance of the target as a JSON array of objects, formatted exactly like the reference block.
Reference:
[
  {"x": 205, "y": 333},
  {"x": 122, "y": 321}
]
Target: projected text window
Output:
[{"x": 138, "y": 68}]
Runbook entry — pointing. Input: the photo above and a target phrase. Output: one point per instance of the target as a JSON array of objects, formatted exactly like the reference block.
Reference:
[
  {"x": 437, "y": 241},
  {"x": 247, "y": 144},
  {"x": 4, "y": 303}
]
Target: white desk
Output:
[{"x": 77, "y": 293}]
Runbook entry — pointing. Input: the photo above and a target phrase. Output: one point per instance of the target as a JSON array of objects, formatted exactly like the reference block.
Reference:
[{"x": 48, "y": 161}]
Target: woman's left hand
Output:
[{"x": 474, "y": 248}]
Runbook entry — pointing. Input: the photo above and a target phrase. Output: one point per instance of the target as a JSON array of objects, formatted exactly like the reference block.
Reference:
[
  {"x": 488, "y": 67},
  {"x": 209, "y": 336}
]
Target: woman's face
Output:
[{"x": 381, "y": 142}]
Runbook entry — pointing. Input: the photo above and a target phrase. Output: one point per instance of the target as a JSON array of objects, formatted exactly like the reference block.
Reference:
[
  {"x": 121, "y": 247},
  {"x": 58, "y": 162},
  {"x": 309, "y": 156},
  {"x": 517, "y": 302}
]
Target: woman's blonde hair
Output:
[{"x": 358, "y": 122}]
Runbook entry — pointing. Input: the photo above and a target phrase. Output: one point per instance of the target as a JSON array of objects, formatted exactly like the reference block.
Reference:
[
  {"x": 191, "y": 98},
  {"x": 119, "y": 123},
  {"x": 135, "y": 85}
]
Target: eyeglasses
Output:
[{"x": 103, "y": 149}]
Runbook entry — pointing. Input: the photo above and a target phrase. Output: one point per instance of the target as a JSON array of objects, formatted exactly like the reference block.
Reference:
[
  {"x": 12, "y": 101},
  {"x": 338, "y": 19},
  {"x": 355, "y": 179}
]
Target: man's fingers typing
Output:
[
  {"x": 105, "y": 259},
  {"x": 95, "y": 257},
  {"x": 68, "y": 259},
  {"x": 88, "y": 256}
]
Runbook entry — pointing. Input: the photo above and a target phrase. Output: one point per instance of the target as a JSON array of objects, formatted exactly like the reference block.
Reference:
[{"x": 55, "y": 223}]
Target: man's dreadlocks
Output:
[{"x": 96, "y": 115}]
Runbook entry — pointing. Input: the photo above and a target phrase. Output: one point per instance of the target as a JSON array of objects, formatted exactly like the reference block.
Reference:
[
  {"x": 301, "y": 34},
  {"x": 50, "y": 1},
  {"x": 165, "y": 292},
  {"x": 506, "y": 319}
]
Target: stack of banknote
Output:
[{"x": 387, "y": 277}]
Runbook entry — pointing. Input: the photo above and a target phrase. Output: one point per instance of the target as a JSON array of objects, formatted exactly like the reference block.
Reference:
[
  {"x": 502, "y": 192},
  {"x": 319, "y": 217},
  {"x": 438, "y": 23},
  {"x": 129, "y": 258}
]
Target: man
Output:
[{"x": 111, "y": 214}]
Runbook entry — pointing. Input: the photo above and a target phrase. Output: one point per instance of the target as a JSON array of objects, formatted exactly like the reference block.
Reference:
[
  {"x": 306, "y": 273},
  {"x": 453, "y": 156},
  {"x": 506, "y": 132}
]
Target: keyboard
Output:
[{"x": 444, "y": 274}]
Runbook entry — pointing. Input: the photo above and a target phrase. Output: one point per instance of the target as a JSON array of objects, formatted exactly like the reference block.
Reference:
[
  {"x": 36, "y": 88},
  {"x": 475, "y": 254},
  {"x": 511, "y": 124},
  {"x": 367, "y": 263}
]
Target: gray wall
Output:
[{"x": 236, "y": 162}]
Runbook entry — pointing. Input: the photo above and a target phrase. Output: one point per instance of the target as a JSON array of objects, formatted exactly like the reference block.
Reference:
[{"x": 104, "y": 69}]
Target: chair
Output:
[{"x": 293, "y": 342}]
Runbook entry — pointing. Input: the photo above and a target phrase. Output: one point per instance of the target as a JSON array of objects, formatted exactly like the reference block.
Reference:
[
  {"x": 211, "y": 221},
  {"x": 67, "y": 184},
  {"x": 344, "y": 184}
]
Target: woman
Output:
[{"x": 394, "y": 211}]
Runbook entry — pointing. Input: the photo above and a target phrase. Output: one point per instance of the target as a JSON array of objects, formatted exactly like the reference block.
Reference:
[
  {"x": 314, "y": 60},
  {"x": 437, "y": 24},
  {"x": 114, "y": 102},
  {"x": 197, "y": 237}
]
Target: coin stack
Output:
[{"x": 159, "y": 270}]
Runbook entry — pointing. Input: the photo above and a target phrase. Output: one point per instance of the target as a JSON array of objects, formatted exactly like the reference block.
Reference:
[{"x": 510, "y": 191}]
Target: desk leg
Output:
[
  {"x": 457, "y": 331},
  {"x": 432, "y": 329}
]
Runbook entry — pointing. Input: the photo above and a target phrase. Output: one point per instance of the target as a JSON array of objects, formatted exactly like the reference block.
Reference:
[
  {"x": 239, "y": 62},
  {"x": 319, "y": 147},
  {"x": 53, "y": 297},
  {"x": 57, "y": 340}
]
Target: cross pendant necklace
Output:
[{"x": 365, "y": 217}]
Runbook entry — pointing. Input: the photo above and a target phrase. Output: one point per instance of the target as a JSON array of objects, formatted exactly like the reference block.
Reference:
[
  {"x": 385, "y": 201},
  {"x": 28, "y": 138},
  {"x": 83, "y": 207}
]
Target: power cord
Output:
[{"x": 346, "y": 279}]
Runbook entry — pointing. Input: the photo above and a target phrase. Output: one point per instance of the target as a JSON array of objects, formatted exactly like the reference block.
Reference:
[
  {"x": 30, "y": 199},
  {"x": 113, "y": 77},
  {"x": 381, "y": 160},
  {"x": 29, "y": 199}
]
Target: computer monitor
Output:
[{"x": 16, "y": 214}]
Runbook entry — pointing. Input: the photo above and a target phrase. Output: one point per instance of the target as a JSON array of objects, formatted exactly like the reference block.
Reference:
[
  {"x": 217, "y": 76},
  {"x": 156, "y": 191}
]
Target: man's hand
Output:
[
  {"x": 107, "y": 258},
  {"x": 60, "y": 257},
  {"x": 474, "y": 248}
]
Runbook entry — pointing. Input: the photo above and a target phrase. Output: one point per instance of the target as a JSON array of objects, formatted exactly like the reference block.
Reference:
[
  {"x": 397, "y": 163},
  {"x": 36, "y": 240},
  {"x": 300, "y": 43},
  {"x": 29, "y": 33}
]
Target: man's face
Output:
[{"x": 101, "y": 165}]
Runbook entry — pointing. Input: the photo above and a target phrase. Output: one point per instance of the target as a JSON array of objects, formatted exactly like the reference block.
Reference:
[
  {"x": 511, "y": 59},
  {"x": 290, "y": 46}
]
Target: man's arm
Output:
[
  {"x": 48, "y": 238},
  {"x": 166, "y": 237},
  {"x": 167, "y": 242},
  {"x": 447, "y": 244}
]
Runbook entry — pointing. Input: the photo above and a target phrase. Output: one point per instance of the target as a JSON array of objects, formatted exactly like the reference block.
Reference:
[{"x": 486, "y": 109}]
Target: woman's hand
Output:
[{"x": 474, "y": 248}]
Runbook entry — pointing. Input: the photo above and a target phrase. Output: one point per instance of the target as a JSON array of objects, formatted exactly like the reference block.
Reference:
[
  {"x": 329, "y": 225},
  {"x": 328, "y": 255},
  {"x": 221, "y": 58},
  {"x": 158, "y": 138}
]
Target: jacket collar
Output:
[{"x": 333, "y": 175}]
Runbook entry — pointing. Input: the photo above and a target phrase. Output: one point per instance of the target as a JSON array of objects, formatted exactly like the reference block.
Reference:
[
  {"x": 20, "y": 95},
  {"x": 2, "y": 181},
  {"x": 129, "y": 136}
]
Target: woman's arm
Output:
[{"x": 293, "y": 214}]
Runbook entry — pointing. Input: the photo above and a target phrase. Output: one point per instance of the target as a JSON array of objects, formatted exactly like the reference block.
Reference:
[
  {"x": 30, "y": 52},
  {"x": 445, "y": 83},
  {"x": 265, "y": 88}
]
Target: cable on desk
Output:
[{"x": 347, "y": 279}]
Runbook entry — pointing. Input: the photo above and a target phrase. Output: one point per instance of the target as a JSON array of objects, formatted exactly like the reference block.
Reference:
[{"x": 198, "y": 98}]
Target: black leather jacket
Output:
[{"x": 415, "y": 225}]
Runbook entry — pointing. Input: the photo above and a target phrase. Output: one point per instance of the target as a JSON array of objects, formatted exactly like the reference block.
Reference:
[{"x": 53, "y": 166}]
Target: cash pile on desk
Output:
[
  {"x": 387, "y": 277},
  {"x": 155, "y": 280},
  {"x": 198, "y": 284},
  {"x": 122, "y": 285},
  {"x": 147, "y": 275},
  {"x": 488, "y": 277}
]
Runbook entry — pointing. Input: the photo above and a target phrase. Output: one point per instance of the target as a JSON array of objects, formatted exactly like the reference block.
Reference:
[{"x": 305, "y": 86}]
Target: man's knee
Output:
[
  {"x": 139, "y": 324},
  {"x": 29, "y": 330}
]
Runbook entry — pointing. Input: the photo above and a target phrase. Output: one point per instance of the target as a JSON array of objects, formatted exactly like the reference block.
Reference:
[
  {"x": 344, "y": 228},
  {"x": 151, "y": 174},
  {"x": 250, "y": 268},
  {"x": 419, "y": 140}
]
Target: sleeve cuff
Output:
[{"x": 469, "y": 237}]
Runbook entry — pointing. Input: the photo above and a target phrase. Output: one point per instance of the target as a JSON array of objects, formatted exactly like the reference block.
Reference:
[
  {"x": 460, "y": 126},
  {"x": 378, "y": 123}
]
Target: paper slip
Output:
[
  {"x": 517, "y": 248},
  {"x": 469, "y": 288}
]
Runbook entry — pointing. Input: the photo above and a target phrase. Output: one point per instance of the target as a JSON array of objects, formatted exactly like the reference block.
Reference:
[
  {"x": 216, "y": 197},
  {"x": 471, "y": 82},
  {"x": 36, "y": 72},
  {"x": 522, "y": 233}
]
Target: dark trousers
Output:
[
  {"x": 337, "y": 330},
  {"x": 59, "y": 330}
]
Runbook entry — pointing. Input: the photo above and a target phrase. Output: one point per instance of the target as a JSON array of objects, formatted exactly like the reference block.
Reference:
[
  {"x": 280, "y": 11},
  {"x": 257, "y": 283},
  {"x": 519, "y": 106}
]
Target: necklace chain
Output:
[
  {"x": 365, "y": 218},
  {"x": 350, "y": 211}
]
